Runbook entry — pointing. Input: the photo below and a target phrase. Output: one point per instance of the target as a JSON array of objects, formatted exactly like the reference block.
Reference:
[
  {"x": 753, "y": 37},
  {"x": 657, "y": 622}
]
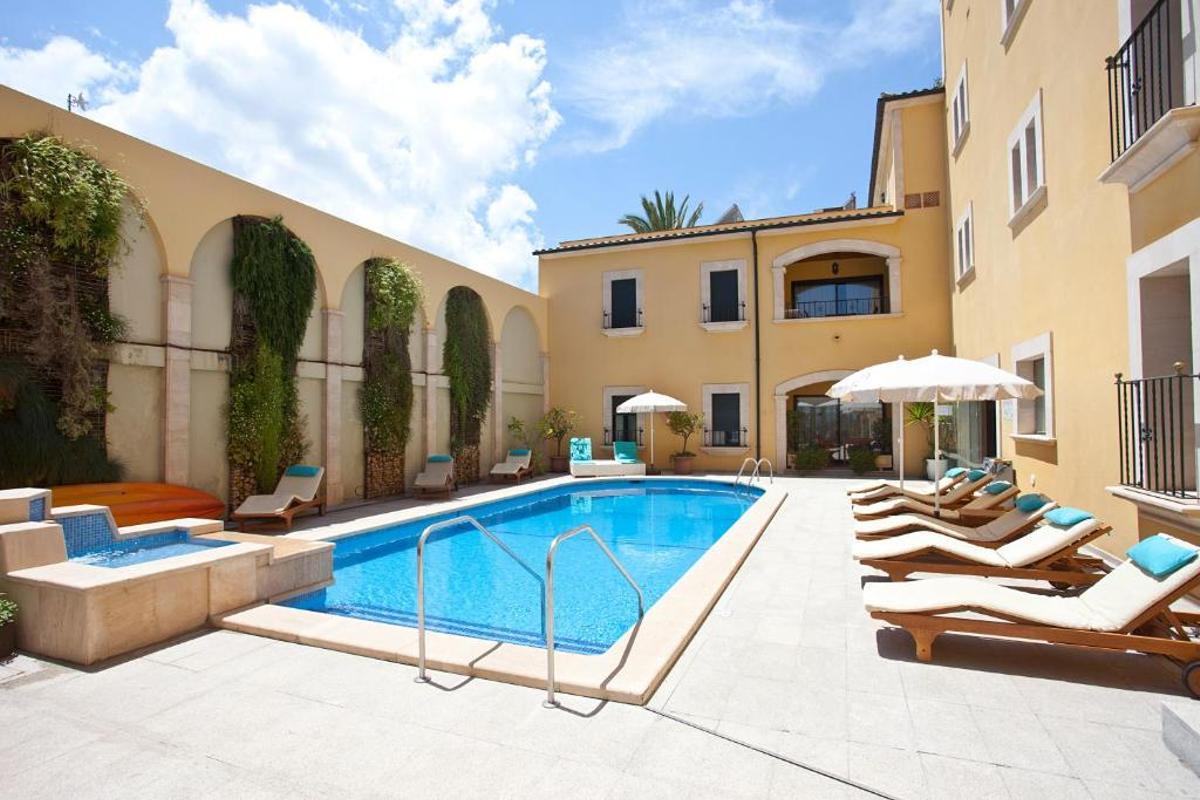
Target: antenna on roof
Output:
[{"x": 76, "y": 102}]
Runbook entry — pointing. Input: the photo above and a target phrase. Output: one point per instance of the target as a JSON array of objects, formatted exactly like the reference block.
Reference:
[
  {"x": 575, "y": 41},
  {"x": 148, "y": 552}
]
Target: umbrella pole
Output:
[
  {"x": 902, "y": 445},
  {"x": 937, "y": 447},
  {"x": 652, "y": 443}
]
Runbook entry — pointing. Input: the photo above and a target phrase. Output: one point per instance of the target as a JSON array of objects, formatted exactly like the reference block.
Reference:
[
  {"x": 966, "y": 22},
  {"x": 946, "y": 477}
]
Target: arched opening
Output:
[
  {"x": 466, "y": 404},
  {"x": 837, "y": 278},
  {"x": 816, "y": 431},
  {"x": 521, "y": 394}
]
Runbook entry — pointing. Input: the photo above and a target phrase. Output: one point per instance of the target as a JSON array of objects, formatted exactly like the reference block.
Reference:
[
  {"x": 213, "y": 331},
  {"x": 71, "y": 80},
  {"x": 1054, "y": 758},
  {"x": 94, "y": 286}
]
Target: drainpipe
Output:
[{"x": 757, "y": 355}]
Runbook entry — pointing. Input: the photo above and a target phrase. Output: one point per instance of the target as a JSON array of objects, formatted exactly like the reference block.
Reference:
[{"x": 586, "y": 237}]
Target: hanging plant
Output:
[
  {"x": 467, "y": 362},
  {"x": 274, "y": 277},
  {"x": 61, "y": 213}
]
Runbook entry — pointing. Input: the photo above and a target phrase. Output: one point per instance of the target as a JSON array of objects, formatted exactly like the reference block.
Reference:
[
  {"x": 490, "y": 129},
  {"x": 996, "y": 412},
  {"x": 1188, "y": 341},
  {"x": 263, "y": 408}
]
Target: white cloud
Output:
[
  {"x": 685, "y": 60},
  {"x": 418, "y": 141}
]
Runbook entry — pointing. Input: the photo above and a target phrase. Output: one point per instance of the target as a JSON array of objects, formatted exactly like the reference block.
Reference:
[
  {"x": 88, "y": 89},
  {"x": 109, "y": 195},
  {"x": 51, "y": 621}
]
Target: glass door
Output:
[{"x": 820, "y": 422}]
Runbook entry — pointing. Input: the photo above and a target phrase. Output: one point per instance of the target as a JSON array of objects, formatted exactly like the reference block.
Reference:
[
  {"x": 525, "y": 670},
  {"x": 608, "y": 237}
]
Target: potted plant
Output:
[
  {"x": 683, "y": 424},
  {"x": 8, "y": 627},
  {"x": 558, "y": 424},
  {"x": 811, "y": 457},
  {"x": 520, "y": 437},
  {"x": 923, "y": 414},
  {"x": 862, "y": 460},
  {"x": 881, "y": 445}
]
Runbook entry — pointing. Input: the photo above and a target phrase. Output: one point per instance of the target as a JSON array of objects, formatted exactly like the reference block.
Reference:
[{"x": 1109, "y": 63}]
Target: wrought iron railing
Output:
[
  {"x": 853, "y": 307},
  {"x": 723, "y": 314},
  {"x": 1156, "y": 426},
  {"x": 1140, "y": 81},
  {"x": 608, "y": 436},
  {"x": 610, "y": 323},
  {"x": 725, "y": 438}
]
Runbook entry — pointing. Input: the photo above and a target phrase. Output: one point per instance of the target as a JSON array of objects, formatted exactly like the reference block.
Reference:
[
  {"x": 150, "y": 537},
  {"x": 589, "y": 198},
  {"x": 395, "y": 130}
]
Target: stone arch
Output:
[
  {"x": 890, "y": 253},
  {"x": 135, "y": 287},
  {"x": 784, "y": 388},
  {"x": 520, "y": 347}
]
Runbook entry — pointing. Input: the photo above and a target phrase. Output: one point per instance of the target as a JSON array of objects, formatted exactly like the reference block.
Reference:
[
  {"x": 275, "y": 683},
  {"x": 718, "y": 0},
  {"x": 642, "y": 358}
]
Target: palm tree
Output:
[{"x": 662, "y": 215}]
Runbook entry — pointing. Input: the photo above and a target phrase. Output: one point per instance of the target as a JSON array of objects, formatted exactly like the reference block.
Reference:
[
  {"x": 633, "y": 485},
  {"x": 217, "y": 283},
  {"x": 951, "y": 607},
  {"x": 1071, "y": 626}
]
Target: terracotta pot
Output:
[
  {"x": 559, "y": 463},
  {"x": 8, "y": 640},
  {"x": 683, "y": 464}
]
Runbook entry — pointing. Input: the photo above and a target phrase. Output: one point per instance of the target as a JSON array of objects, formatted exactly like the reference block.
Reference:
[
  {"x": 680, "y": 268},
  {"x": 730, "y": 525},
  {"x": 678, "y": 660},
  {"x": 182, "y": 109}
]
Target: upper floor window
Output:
[
  {"x": 1011, "y": 14},
  {"x": 1027, "y": 171},
  {"x": 964, "y": 242},
  {"x": 837, "y": 297},
  {"x": 960, "y": 116},
  {"x": 623, "y": 294},
  {"x": 723, "y": 294},
  {"x": 1033, "y": 360}
]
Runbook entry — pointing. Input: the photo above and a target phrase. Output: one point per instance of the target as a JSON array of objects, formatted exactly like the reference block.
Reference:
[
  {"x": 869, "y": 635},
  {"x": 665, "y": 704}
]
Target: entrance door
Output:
[{"x": 822, "y": 422}]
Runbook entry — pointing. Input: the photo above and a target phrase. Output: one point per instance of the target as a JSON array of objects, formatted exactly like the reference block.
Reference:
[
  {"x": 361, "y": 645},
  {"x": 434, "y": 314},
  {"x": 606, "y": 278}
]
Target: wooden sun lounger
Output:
[
  {"x": 294, "y": 495},
  {"x": 437, "y": 478},
  {"x": 993, "y": 532},
  {"x": 951, "y": 508},
  {"x": 514, "y": 466}
]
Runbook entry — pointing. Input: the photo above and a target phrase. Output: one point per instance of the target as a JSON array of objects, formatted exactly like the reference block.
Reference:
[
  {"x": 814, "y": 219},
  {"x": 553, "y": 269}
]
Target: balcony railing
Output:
[
  {"x": 1157, "y": 434},
  {"x": 609, "y": 324},
  {"x": 608, "y": 437},
  {"x": 725, "y": 438},
  {"x": 709, "y": 314},
  {"x": 852, "y": 307},
  {"x": 1140, "y": 79}
]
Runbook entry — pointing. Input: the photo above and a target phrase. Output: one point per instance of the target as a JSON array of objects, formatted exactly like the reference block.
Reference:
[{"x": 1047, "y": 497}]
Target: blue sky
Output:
[{"x": 481, "y": 130}]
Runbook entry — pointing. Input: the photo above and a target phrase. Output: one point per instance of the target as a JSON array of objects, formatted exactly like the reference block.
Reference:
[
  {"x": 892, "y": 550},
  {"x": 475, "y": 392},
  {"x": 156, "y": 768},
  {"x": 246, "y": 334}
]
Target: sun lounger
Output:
[
  {"x": 438, "y": 476},
  {"x": 298, "y": 490},
  {"x": 989, "y": 497},
  {"x": 1127, "y": 609},
  {"x": 1048, "y": 552},
  {"x": 517, "y": 465},
  {"x": 951, "y": 479},
  {"x": 997, "y": 531},
  {"x": 625, "y": 463}
]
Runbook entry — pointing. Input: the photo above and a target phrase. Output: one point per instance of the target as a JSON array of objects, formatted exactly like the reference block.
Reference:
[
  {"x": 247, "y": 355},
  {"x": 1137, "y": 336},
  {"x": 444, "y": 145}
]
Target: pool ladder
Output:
[
  {"x": 756, "y": 474},
  {"x": 547, "y": 588}
]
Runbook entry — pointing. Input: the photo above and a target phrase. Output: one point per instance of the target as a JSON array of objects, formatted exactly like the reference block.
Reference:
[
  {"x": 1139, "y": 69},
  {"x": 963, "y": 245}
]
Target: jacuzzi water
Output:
[
  {"x": 657, "y": 529},
  {"x": 152, "y": 547}
]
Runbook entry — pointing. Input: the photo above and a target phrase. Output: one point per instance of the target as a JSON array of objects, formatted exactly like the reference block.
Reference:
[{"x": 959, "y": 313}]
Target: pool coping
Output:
[{"x": 629, "y": 671}]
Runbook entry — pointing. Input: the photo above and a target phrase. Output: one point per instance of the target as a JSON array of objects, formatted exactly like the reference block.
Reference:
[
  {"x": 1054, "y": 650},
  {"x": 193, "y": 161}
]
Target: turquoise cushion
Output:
[
  {"x": 1065, "y": 516},
  {"x": 439, "y": 459},
  {"x": 581, "y": 449},
  {"x": 954, "y": 472},
  {"x": 303, "y": 471},
  {"x": 1030, "y": 502},
  {"x": 625, "y": 452},
  {"x": 997, "y": 487},
  {"x": 519, "y": 451},
  {"x": 976, "y": 474},
  {"x": 1160, "y": 555}
]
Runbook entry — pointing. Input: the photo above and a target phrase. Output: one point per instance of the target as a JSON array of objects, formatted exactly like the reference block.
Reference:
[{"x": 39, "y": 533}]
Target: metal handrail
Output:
[
  {"x": 550, "y": 702},
  {"x": 755, "y": 474},
  {"x": 422, "y": 677},
  {"x": 742, "y": 469},
  {"x": 770, "y": 466}
]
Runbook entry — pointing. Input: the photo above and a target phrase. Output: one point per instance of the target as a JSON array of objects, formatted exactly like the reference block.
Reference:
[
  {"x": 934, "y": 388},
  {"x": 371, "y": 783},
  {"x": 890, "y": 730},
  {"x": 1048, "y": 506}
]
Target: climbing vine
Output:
[
  {"x": 467, "y": 362},
  {"x": 274, "y": 278},
  {"x": 61, "y": 213},
  {"x": 393, "y": 296}
]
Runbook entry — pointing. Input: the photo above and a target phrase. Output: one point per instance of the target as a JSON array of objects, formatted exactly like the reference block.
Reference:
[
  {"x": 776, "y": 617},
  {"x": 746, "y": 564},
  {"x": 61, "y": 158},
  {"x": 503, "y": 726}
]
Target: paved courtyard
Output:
[{"x": 788, "y": 668}]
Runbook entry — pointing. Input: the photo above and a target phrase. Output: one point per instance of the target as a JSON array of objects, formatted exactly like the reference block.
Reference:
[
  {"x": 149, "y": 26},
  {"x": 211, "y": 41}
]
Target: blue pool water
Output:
[
  {"x": 146, "y": 548},
  {"x": 657, "y": 529}
]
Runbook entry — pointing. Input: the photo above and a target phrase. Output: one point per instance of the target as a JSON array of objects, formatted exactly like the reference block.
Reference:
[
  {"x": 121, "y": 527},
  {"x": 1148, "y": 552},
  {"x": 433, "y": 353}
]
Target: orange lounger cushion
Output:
[{"x": 138, "y": 503}]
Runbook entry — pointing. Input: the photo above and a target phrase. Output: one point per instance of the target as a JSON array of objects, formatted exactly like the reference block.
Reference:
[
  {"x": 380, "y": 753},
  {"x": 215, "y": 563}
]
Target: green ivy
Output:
[
  {"x": 256, "y": 414},
  {"x": 467, "y": 362},
  {"x": 393, "y": 295},
  {"x": 277, "y": 275}
]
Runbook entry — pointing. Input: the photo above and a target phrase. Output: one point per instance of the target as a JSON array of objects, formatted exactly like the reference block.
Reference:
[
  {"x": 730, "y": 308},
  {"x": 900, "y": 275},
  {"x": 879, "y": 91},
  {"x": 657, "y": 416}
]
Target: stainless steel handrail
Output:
[
  {"x": 422, "y": 677},
  {"x": 742, "y": 469},
  {"x": 550, "y": 702},
  {"x": 770, "y": 466},
  {"x": 755, "y": 474}
]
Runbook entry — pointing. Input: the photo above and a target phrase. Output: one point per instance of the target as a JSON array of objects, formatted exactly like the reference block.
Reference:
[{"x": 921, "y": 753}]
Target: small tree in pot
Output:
[
  {"x": 557, "y": 425},
  {"x": 684, "y": 424},
  {"x": 8, "y": 627}
]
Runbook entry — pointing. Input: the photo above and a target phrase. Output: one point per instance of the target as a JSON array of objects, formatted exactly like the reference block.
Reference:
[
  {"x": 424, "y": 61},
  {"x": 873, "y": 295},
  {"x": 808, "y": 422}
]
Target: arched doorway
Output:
[{"x": 815, "y": 431}]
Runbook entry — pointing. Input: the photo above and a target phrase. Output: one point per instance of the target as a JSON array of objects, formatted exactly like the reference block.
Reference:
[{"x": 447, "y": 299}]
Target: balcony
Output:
[
  {"x": 622, "y": 324},
  {"x": 640, "y": 437},
  {"x": 723, "y": 317},
  {"x": 1156, "y": 427},
  {"x": 724, "y": 440},
  {"x": 1152, "y": 121},
  {"x": 842, "y": 307}
]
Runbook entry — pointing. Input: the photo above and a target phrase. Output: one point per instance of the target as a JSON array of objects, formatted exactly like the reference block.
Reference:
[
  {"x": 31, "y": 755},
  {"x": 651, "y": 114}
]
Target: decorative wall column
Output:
[
  {"x": 545, "y": 382},
  {"x": 334, "y": 489},
  {"x": 894, "y": 304},
  {"x": 431, "y": 358},
  {"x": 177, "y": 379},
  {"x": 777, "y": 284},
  {"x": 499, "y": 425},
  {"x": 780, "y": 459}
]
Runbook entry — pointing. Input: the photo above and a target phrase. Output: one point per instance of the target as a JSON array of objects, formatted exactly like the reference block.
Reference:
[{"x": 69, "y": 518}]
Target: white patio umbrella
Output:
[
  {"x": 931, "y": 379},
  {"x": 651, "y": 403}
]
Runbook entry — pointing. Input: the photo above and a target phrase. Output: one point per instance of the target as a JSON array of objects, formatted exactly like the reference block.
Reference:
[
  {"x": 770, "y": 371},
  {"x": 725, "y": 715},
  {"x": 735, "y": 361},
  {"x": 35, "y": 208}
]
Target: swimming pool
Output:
[
  {"x": 657, "y": 529},
  {"x": 140, "y": 549}
]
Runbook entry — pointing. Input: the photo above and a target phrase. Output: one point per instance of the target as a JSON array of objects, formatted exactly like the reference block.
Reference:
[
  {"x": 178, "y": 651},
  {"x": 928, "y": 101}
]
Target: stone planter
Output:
[
  {"x": 883, "y": 461},
  {"x": 466, "y": 465},
  {"x": 935, "y": 468},
  {"x": 560, "y": 463},
  {"x": 683, "y": 464},
  {"x": 8, "y": 640}
]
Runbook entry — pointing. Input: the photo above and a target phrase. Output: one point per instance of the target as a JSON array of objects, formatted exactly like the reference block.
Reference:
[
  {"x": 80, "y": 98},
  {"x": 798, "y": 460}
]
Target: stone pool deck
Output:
[{"x": 788, "y": 662}]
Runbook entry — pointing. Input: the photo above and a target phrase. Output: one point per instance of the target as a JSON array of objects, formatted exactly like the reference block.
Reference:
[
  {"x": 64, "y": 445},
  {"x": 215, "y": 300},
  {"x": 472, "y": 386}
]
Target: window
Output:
[
  {"x": 964, "y": 242},
  {"x": 726, "y": 410},
  {"x": 1027, "y": 171},
  {"x": 620, "y": 427},
  {"x": 623, "y": 294},
  {"x": 837, "y": 298},
  {"x": 1011, "y": 14},
  {"x": 960, "y": 115},
  {"x": 723, "y": 295},
  {"x": 1033, "y": 360}
]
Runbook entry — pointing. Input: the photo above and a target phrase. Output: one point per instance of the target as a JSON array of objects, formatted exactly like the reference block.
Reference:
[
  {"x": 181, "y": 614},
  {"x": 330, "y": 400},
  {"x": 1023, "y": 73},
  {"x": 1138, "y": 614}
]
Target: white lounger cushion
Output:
[
  {"x": 891, "y": 489},
  {"x": 266, "y": 504},
  {"x": 1000, "y": 528},
  {"x": 1112, "y": 604},
  {"x": 605, "y": 468},
  {"x": 982, "y": 501},
  {"x": 291, "y": 488},
  {"x": 1042, "y": 541},
  {"x": 437, "y": 474},
  {"x": 513, "y": 464}
]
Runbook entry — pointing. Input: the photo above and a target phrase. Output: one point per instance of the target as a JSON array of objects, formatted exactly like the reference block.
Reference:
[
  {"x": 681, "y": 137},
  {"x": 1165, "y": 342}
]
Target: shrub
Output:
[
  {"x": 8, "y": 611},
  {"x": 558, "y": 424},
  {"x": 861, "y": 460},
  {"x": 812, "y": 457},
  {"x": 683, "y": 424}
]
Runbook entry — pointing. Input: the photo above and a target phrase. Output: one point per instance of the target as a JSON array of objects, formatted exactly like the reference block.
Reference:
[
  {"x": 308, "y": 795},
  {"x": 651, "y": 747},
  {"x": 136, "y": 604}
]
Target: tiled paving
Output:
[{"x": 788, "y": 662}]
